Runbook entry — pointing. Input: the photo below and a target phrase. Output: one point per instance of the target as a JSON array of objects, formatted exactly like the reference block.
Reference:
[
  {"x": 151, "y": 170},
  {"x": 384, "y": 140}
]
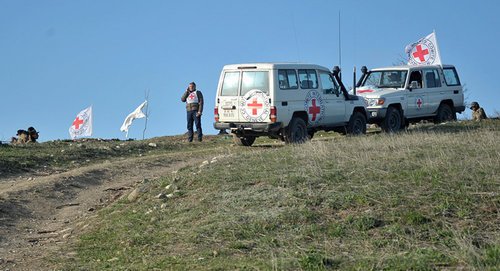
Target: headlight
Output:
[{"x": 374, "y": 101}]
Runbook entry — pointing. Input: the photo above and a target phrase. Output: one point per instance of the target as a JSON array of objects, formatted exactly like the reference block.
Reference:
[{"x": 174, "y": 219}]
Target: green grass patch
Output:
[{"x": 424, "y": 199}]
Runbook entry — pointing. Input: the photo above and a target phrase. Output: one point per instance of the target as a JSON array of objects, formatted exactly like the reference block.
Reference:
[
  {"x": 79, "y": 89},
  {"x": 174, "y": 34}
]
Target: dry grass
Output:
[{"x": 424, "y": 199}]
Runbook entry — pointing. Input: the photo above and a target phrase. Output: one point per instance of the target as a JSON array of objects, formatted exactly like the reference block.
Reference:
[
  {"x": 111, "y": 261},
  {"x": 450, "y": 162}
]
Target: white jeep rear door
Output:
[{"x": 228, "y": 98}]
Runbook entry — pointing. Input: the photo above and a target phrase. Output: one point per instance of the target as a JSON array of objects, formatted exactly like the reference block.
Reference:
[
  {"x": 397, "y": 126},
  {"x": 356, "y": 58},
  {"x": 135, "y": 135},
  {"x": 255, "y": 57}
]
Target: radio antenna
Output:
[
  {"x": 340, "y": 51},
  {"x": 296, "y": 40}
]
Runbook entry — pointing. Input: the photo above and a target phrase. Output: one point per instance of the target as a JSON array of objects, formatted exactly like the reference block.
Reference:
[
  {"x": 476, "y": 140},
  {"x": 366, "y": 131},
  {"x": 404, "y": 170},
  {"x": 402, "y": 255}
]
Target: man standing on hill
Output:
[
  {"x": 194, "y": 107},
  {"x": 477, "y": 112}
]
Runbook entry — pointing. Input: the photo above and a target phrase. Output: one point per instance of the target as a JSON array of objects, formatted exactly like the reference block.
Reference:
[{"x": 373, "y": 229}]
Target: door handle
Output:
[
  {"x": 284, "y": 103},
  {"x": 455, "y": 92}
]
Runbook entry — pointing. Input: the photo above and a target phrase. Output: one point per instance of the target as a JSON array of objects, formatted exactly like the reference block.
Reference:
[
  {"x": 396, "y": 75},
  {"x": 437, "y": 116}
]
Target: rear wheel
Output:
[
  {"x": 444, "y": 114},
  {"x": 296, "y": 131},
  {"x": 357, "y": 124},
  {"x": 393, "y": 120},
  {"x": 244, "y": 140}
]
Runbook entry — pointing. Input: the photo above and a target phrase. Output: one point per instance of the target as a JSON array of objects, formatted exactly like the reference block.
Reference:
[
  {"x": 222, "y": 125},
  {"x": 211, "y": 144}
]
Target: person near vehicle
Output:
[
  {"x": 477, "y": 112},
  {"x": 194, "y": 107}
]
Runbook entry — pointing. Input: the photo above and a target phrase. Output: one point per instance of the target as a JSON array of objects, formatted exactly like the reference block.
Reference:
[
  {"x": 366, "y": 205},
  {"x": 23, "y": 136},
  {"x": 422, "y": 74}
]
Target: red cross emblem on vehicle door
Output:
[
  {"x": 254, "y": 106},
  {"x": 77, "y": 123},
  {"x": 314, "y": 110},
  {"x": 420, "y": 54},
  {"x": 419, "y": 102}
]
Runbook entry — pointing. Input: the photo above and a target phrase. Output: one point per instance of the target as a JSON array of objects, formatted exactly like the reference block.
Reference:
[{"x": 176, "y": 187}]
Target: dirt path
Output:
[{"x": 38, "y": 216}]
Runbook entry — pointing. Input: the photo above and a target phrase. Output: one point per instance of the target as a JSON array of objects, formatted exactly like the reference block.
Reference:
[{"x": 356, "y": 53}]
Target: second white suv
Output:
[{"x": 396, "y": 96}]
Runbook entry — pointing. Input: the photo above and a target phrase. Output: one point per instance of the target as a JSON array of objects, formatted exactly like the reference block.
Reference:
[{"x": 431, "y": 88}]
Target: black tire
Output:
[
  {"x": 392, "y": 121},
  {"x": 357, "y": 124},
  {"x": 246, "y": 141},
  {"x": 296, "y": 131},
  {"x": 445, "y": 113}
]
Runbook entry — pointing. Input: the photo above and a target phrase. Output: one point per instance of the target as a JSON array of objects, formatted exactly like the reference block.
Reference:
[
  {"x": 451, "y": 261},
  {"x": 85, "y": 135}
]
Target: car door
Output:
[
  {"x": 228, "y": 98},
  {"x": 312, "y": 101},
  {"x": 416, "y": 102},
  {"x": 335, "y": 105},
  {"x": 435, "y": 92},
  {"x": 289, "y": 98}
]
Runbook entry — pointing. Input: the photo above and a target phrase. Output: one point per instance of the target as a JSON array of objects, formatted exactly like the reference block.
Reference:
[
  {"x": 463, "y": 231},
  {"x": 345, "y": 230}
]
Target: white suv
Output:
[
  {"x": 398, "y": 95},
  {"x": 285, "y": 101}
]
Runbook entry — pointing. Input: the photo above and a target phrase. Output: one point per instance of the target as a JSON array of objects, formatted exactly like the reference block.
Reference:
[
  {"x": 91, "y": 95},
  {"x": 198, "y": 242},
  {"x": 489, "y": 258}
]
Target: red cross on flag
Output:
[
  {"x": 82, "y": 125},
  {"x": 424, "y": 52}
]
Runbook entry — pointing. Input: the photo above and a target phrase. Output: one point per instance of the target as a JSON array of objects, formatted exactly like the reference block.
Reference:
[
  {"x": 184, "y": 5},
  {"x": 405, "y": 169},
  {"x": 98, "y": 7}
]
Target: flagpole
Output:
[
  {"x": 437, "y": 48},
  {"x": 91, "y": 120}
]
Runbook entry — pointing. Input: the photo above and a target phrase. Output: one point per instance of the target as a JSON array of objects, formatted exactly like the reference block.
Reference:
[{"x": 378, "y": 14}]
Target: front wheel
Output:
[
  {"x": 244, "y": 140},
  {"x": 393, "y": 120},
  {"x": 357, "y": 124},
  {"x": 444, "y": 114},
  {"x": 296, "y": 132}
]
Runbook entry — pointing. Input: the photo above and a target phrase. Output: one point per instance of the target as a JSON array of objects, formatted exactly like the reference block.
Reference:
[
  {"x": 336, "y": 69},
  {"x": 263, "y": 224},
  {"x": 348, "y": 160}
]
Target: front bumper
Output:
[
  {"x": 260, "y": 127},
  {"x": 376, "y": 113}
]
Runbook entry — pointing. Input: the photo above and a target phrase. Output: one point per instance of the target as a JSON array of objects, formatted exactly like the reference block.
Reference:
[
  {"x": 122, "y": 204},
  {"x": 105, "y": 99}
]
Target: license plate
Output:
[{"x": 228, "y": 114}]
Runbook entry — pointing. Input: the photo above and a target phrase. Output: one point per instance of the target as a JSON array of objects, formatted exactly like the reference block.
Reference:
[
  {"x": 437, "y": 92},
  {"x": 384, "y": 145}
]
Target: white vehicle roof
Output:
[
  {"x": 274, "y": 66},
  {"x": 407, "y": 67}
]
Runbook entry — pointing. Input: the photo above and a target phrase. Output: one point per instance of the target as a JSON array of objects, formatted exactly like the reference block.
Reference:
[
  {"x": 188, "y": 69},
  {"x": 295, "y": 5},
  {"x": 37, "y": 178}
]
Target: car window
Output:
[
  {"x": 255, "y": 80},
  {"x": 308, "y": 79},
  {"x": 432, "y": 79},
  {"x": 451, "y": 77},
  {"x": 230, "y": 84},
  {"x": 373, "y": 79},
  {"x": 417, "y": 77},
  {"x": 329, "y": 86},
  {"x": 288, "y": 79}
]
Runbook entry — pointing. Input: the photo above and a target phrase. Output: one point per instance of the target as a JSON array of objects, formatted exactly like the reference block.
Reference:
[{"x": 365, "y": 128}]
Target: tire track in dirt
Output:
[{"x": 38, "y": 217}]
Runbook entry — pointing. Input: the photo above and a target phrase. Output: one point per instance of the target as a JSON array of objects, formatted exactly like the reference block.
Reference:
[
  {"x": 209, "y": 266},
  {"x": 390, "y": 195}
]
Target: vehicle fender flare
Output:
[
  {"x": 362, "y": 110},
  {"x": 448, "y": 102},
  {"x": 300, "y": 114},
  {"x": 400, "y": 108}
]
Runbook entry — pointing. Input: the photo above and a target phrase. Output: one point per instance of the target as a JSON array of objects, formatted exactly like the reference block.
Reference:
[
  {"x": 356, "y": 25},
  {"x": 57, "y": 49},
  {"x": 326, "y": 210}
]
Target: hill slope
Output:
[{"x": 423, "y": 199}]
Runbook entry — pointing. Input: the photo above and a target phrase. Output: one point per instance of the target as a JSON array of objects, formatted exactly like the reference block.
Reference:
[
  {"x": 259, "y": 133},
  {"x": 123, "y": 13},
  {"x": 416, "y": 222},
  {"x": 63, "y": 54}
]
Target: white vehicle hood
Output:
[{"x": 374, "y": 92}]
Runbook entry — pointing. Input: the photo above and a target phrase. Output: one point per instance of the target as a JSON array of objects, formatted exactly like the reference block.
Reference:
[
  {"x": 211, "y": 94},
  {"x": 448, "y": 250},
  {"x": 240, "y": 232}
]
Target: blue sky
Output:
[{"x": 58, "y": 57}]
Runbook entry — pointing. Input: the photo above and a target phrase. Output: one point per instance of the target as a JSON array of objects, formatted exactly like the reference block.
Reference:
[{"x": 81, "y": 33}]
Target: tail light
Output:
[
  {"x": 273, "y": 114},
  {"x": 216, "y": 113}
]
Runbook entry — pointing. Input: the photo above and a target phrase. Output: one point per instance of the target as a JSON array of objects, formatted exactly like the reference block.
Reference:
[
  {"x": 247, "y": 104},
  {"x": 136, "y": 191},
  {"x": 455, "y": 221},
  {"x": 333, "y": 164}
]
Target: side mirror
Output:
[{"x": 414, "y": 84}]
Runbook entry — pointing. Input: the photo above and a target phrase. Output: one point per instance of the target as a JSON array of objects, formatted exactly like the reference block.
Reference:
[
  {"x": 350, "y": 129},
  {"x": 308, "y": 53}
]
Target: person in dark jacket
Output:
[{"x": 194, "y": 107}]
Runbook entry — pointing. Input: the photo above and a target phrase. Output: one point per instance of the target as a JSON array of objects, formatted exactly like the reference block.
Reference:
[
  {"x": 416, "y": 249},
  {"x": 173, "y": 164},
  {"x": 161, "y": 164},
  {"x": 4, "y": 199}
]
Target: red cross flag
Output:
[
  {"x": 82, "y": 125},
  {"x": 424, "y": 52}
]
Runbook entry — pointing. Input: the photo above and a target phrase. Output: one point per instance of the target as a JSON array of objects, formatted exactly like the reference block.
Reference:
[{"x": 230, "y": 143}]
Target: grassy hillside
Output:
[
  {"x": 424, "y": 199},
  {"x": 58, "y": 155}
]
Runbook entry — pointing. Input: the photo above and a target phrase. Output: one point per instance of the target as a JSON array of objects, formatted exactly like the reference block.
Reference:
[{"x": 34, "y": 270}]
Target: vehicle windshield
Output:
[{"x": 386, "y": 79}]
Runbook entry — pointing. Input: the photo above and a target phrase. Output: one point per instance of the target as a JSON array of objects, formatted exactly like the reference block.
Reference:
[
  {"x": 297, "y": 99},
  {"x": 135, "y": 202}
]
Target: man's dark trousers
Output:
[{"x": 191, "y": 116}]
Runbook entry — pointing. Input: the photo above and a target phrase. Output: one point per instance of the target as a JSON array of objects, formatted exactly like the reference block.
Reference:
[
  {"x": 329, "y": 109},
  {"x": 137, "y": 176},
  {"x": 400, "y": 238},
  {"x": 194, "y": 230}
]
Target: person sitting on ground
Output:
[
  {"x": 32, "y": 135},
  {"x": 477, "y": 112},
  {"x": 22, "y": 137}
]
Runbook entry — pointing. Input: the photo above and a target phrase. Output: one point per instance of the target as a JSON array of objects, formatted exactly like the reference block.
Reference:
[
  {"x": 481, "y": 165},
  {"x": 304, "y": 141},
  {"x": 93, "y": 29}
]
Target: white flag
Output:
[
  {"x": 137, "y": 114},
  {"x": 82, "y": 125},
  {"x": 424, "y": 52}
]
